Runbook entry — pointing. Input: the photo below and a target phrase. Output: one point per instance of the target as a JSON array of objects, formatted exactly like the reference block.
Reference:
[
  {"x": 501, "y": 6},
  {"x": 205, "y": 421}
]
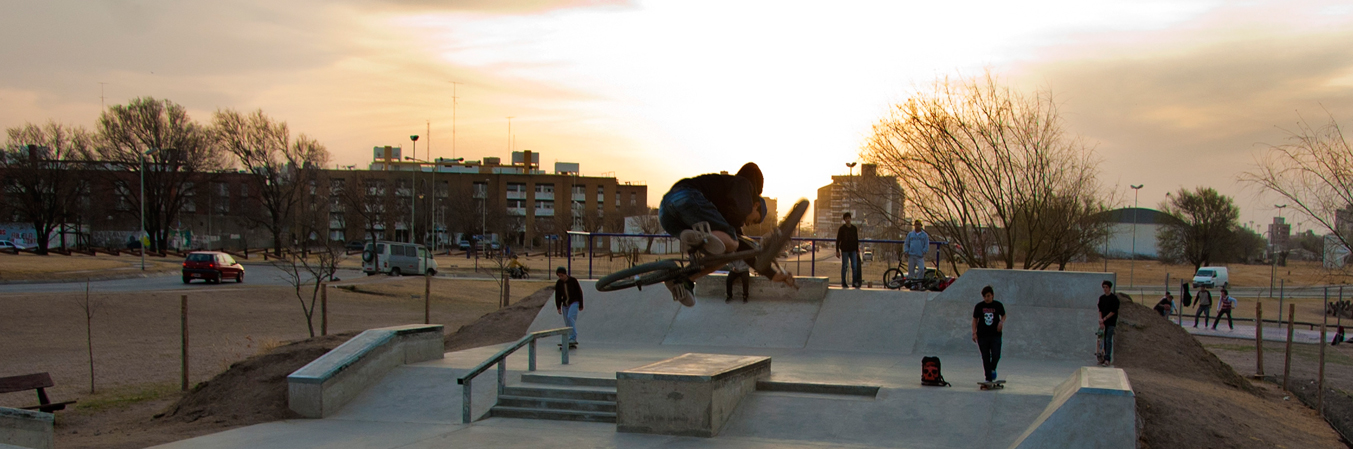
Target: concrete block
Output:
[
  {"x": 325, "y": 385},
  {"x": 688, "y": 395},
  {"x": 26, "y": 428},
  {"x": 1094, "y": 408}
]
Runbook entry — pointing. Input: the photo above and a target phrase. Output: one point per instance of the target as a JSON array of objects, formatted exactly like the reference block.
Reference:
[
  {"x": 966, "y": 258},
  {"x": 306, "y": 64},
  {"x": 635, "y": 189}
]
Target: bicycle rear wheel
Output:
[
  {"x": 639, "y": 275},
  {"x": 892, "y": 279}
]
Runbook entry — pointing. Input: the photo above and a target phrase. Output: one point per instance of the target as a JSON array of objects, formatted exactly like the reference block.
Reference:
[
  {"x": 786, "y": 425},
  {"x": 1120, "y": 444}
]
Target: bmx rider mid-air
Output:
[{"x": 706, "y": 212}]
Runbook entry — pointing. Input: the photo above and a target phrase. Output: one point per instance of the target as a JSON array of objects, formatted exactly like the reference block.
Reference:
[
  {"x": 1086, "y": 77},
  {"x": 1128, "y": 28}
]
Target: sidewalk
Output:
[{"x": 1271, "y": 333}]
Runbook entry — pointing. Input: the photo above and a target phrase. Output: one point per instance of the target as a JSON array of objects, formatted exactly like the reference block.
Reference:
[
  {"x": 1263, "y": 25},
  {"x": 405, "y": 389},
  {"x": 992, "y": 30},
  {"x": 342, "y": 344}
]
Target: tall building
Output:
[{"x": 875, "y": 204}]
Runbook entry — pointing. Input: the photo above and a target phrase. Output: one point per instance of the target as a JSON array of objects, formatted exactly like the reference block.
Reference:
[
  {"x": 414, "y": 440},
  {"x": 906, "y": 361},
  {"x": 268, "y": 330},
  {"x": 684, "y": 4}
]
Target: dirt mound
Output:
[
  {"x": 504, "y": 325},
  {"x": 1149, "y": 341},
  {"x": 253, "y": 390},
  {"x": 1187, "y": 397}
]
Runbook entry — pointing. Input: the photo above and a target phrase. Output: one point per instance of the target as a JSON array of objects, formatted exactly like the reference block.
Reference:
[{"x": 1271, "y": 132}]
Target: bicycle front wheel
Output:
[
  {"x": 892, "y": 279},
  {"x": 639, "y": 275}
]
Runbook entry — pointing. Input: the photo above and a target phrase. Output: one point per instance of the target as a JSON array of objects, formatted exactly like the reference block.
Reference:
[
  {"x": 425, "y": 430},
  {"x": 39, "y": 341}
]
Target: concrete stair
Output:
[{"x": 563, "y": 398}]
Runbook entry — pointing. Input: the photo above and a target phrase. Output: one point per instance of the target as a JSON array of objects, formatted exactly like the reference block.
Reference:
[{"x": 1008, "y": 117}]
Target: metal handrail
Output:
[{"x": 501, "y": 359}]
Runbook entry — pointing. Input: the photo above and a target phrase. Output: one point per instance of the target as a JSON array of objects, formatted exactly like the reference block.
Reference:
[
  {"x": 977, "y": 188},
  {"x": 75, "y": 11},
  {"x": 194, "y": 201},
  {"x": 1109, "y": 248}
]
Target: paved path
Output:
[{"x": 1300, "y": 334}]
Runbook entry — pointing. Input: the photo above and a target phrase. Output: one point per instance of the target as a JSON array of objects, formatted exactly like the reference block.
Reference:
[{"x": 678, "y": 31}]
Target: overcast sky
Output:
[{"x": 1170, "y": 93}]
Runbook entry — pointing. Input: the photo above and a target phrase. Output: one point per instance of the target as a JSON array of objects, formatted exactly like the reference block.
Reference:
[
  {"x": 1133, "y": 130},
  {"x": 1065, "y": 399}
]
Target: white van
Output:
[
  {"x": 395, "y": 259},
  {"x": 1212, "y": 277}
]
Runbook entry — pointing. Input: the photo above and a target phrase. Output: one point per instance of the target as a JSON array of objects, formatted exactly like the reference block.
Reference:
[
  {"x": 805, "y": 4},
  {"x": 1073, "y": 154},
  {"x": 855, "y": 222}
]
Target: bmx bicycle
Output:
[{"x": 660, "y": 271}]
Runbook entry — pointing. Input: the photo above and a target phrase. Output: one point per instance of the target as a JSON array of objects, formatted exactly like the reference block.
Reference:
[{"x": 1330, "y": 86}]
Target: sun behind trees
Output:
[{"x": 993, "y": 171}]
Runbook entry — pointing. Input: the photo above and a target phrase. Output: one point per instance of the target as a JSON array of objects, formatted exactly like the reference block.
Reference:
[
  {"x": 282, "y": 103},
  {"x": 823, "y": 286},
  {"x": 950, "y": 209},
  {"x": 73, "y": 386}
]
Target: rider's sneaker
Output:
[
  {"x": 682, "y": 291},
  {"x": 700, "y": 237}
]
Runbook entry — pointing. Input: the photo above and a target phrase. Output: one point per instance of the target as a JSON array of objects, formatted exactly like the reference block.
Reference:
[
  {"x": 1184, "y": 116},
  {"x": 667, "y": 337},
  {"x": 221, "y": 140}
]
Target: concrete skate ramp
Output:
[
  {"x": 1094, "y": 408},
  {"x": 1052, "y": 315}
]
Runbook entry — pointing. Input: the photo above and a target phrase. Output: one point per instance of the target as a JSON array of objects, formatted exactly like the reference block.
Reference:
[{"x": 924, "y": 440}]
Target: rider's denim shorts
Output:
[{"x": 684, "y": 206}]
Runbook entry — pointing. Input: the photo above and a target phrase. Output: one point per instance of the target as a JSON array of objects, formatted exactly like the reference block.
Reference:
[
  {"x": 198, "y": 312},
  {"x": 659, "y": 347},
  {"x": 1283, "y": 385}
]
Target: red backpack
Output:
[{"x": 930, "y": 372}]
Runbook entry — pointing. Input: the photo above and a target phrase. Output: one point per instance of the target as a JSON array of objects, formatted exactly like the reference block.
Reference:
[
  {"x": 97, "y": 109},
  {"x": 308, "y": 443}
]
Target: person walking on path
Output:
[
  {"x": 848, "y": 250},
  {"x": 916, "y": 246},
  {"x": 1108, "y": 319},
  {"x": 738, "y": 270},
  {"x": 568, "y": 301},
  {"x": 1224, "y": 306},
  {"x": 1204, "y": 300},
  {"x": 988, "y": 321}
]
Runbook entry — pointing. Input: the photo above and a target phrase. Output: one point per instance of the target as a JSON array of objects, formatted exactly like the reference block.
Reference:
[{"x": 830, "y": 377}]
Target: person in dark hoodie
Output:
[
  {"x": 706, "y": 213},
  {"x": 568, "y": 301}
]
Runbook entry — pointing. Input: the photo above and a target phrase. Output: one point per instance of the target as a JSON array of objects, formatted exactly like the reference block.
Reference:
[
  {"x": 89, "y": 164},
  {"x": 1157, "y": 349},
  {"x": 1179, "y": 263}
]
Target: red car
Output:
[{"x": 211, "y": 266}]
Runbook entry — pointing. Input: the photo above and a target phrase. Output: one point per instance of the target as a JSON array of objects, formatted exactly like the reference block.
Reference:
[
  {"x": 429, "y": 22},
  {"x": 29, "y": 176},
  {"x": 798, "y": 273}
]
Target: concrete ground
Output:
[{"x": 856, "y": 337}]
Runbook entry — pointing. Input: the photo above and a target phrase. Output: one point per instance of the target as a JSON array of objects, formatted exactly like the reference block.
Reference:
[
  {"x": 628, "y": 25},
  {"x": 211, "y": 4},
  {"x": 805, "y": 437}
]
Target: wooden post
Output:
[
  {"x": 1259, "y": 339},
  {"x": 324, "y": 310},
  {"x": 507, "y": 290},
  {"x": 1287, "y": 364},
  {"x": 183, "y": 323},
  {"x": 427, "y": 299},
  {"x": 1320, "y": 379}
]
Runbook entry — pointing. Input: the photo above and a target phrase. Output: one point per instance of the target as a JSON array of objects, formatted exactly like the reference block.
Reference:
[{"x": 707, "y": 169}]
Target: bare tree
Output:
[
  {"x": 282, "y": 169},
  {"x": 88, "y": 305},
  {"x": 992, "y": 170},
  {"x": 39, "y": 169},
  {"x": 366, "y": 198},
  {"x": 306, "y": 271},
  {"x": 1313, "y": 173},
  {"x": 181, "y": 156}
]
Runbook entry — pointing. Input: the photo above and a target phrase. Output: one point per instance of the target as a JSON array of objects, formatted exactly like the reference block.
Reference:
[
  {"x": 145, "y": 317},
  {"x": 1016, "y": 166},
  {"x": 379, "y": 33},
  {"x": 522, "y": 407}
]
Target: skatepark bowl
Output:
[{"x": 812, "y": 368}]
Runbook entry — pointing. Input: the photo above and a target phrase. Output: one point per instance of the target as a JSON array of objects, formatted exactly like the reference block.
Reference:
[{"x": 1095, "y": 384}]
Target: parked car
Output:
[
  {"x": 6, "y": 245},
  {"x": 1212, "y": 277},
  {"x": 868, "y": 254},
  {"x": 211, "y": 266},
  {"x": 355, "y": 245},
  {"x": 395, "y": 259},
  {"x": 464, "y": 245}
]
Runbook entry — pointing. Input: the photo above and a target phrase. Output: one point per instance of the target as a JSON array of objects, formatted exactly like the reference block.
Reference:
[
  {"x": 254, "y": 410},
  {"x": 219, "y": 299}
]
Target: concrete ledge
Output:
[
  {"x": 324, "y": 385},
  {"x": 1095, "y": 407},
  {"x": 810, "y": 288},
  {"x": 26, "y": 428},
  {"x": 688, "y": 395},
  {"x": 869, "y": 391}
]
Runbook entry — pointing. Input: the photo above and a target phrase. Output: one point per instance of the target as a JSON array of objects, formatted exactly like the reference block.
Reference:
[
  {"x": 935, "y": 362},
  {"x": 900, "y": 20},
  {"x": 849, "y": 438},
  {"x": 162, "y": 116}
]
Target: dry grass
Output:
[{"x": 56, "y": 267}]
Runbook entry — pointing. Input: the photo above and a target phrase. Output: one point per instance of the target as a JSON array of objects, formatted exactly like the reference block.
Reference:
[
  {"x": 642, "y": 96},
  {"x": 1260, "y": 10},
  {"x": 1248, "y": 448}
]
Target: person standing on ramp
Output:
[
  {"x": 1108, "y": 320},
  {"x": 988, "y": 321},
  {"x": 568, "y": 300}
]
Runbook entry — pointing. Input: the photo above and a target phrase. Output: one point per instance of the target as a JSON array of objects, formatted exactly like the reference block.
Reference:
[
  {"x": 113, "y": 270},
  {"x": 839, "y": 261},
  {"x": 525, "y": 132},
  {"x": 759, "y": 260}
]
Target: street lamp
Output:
[
  {"x": 142, "y": 237},
  {"x": 413, "y": 191},
  {"x": 1132, "y": 266}
]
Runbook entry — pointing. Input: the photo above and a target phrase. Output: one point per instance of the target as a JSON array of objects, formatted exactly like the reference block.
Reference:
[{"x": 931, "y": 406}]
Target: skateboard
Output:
[
  {"x": 1099, "y": 346},
  {"x": 993, "y": 385}
]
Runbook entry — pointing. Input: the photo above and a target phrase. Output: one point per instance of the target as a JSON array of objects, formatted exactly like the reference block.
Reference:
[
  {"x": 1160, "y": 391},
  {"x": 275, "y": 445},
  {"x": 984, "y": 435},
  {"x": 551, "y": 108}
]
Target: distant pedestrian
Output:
[
  {"x": 1166, "y": 305},
  {"x": 1224, "y": 306},
  {"x": 1338, "y": 336},
  {"x": 738, "y": 270},
  {"x": 1204, "y": 300},
  {"x": 1108, "y": 319},
  {"x": 988, "y": 322},
  {"x": 568, "y": 301},
  {"x": 917, "y": 245},
  {"x": 848, "y": 250}
]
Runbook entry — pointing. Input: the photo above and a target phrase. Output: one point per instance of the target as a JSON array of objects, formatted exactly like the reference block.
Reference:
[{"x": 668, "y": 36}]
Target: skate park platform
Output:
[{"x": 845, "y": 373}]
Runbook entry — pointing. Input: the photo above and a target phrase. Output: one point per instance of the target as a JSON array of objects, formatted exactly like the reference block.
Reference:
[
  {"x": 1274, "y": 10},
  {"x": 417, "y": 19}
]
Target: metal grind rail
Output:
[{"x": 501, "y": 360}]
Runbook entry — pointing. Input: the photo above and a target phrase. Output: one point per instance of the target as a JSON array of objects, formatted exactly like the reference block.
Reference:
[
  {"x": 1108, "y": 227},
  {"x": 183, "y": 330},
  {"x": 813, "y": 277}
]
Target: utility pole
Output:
[
  {"x": 454, "y": 99},
  {"x": 1132, "y": 266},
  {"x": 413, "y": 190}
]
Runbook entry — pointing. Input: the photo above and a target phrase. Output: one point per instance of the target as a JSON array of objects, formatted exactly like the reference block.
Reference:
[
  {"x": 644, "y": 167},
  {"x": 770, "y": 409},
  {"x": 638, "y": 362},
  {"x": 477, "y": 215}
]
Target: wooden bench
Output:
[{"x": 39, "y": 382}]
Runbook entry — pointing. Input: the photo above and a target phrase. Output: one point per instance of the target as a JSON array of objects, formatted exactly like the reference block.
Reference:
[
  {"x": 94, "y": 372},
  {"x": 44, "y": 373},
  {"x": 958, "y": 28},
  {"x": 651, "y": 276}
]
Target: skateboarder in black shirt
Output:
[
  {"x": 988, "y": 321},
  {"x": 1108, "y": 320}
]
